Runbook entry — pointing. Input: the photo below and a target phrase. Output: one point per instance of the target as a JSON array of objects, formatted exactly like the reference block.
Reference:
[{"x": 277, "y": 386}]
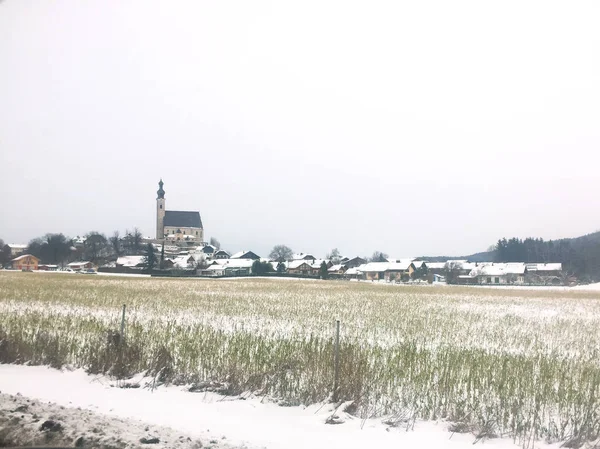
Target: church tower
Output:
[{"x": 160, "y": 211}]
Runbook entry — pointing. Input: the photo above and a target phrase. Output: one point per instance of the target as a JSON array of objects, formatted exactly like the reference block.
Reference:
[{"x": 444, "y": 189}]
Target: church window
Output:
[{"x": 161, "y": 206}]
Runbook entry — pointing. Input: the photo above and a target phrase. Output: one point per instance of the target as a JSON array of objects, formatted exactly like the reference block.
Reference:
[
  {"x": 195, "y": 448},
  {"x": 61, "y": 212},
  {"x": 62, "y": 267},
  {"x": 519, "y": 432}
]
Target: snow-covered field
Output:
[{"x": 520, "y": 362}]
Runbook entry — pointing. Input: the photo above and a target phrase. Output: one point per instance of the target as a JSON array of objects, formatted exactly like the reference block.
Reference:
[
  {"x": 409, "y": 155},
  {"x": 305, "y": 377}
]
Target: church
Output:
[{"x": 176, "y": 225}]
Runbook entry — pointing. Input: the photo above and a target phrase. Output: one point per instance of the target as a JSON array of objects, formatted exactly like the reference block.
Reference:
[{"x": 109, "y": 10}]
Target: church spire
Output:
[{"x": 160, "y": 192}]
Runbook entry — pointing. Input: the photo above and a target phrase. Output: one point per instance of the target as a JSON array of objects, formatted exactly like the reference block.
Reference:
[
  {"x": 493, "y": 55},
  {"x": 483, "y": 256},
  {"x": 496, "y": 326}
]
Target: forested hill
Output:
[{"x": 580, "y": 256}]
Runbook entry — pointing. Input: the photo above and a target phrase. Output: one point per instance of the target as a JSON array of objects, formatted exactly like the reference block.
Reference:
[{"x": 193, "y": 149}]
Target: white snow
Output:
[{"x": 251, "y": 423}]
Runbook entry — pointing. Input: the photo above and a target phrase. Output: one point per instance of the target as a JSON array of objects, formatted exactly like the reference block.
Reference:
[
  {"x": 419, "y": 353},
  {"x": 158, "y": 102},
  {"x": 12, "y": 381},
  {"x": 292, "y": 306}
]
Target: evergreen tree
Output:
[
  {"x": 323, "y": 273},
  {"x": 261, "y": 268},
  {"x": 150, "y": 259}
]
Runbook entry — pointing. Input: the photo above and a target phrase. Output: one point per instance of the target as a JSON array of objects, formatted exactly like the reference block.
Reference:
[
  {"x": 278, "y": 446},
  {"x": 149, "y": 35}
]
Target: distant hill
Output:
[{"x": 580, "y": 256}]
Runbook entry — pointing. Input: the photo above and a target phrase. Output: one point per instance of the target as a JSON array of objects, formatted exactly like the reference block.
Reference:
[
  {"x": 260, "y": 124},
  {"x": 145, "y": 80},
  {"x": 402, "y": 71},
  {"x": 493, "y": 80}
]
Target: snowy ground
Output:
[
  {"x": 169, "y": 413},
  {"x": 25, "y": 422}
]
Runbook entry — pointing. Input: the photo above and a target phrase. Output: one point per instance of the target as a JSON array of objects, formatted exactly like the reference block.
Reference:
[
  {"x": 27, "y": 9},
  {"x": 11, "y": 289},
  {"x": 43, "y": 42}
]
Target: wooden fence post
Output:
[{"x": 336, "y": 362}]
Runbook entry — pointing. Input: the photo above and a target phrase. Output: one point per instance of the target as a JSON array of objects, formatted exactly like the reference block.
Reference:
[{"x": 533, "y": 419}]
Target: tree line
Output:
[
  {"x": 580, "y": 256},
  {"x": 58, "y": 249}
]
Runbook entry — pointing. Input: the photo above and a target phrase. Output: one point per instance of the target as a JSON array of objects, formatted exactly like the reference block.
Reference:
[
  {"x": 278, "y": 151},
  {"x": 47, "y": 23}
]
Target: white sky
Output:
[{"x": 427, "y": 127}]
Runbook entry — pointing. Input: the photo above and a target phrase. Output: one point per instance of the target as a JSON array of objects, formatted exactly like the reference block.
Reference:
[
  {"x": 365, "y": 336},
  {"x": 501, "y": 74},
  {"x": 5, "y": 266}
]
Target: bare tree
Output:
[
  {"x": 281, "y": 253},
  {"x": 95, "y": 246},
  {"x": 379, "y": 256},
  {"x": 133, "y": 241},
  {"x": 115, "y": 242},
  {"x": 334, "y": 256},
  {"x": 214, "y": 242},
  {"x": 453, "y": 270}
]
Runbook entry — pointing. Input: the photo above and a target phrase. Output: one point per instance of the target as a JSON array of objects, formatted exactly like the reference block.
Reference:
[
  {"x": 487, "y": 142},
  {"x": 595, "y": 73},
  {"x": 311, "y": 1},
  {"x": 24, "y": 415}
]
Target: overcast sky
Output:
[{"x": 417, "y": 127}]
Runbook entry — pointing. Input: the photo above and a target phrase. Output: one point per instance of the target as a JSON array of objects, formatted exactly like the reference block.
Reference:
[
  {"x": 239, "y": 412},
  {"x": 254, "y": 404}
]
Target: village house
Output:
[
  {"x": 46, "y": 267},
  {"x": 220, "y": 254},
  {"x": 374, "y": 271},
  {"x": 353, "y": 263},
  {"x": 336, "y": 271},
  {"x": 17, "y": 249},
  {"x": 245, "y": 255},
  {"x": 438, "y": 268},
  {"x": 302, "y": 256},
  {"x": 543, "y": 273},
  {"x": 184, "y": 261},
  {"x": 353, "y": 273},
  {"x": 399, "y": 271},
  {"x": 301, "y": 267},
  {"x": 228, "y": 267},
  {"x": 25, "y": 262},
  {"x": 495, "y": 274},
  {"x": 209, "y": 250},
  {"x": 81, "y": 265},
  {"x": 131, "y": 262}
]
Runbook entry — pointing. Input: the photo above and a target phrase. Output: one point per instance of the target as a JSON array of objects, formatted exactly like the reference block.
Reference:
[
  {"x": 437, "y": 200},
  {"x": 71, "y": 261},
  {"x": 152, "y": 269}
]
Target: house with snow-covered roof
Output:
[
  {"x": 302, "y": 256},
  {"x": 245, "y": 255},
  {"x": 220, "y": 254},
  {"x": 303, "y": 267},
  {"x": 495, "y": 274}
]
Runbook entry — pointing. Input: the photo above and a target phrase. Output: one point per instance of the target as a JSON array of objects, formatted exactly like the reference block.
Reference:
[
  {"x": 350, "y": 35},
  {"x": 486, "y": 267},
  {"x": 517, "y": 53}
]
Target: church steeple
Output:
[
  {"x": 160, "y": 192},
  {"x": 160, "y": 211}
]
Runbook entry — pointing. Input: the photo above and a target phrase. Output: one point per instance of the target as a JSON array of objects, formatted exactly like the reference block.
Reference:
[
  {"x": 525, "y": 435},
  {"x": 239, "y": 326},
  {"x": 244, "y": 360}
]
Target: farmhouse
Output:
[
  {"x": 176, "y": 225},
  {"x": 353, "y": 263},
  {"x": 131, "y": 261},
  {"x": 300, "y": 267},
  {"x": 25, "y": 262},
  {"x": 495, "y": 274},
  {"x": 390, "y": 271},
  {"x": 336, "y": 271},
  {"x": 543, "y": 273},
  {"x": 82, "y": 265},
  {"x": 399, "y": 271},
  {"x": 17, "y": 249},
  {"x": 245, "y": 255},
  {"x": 221, "y": 254},
  {"x": 374, "y": 271}
]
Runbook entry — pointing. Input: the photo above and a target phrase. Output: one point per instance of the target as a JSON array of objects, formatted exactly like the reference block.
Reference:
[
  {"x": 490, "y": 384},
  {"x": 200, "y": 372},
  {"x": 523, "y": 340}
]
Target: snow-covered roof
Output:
[
  {"x": 380, "y": 267},
  {"x": 240, "y": 254},
  {"x": 130, "y": 261},
  {"x": 544, "y": 267},
  {"x": 498, "y": 269},
  {"x": 17, "y": 245},
  {"x": 297, "y": 263},
  {"x": 353, "y": 271},
  {"x": 317, "y": 262},
  {"x": 215, "y": 267},
  {"x": 302, "y": 256},
  {"x": 436, "y": 265},
  {"x": 239, "y": 263},
  {"x": 24, "y": 256},
  {"x": 76, "y": 264},
  {"x": 183, "y": 261},
  {"x": 375, "y": 267},
  {"x": 233, "y": 263},
  {"x": 337, "y": 267}
]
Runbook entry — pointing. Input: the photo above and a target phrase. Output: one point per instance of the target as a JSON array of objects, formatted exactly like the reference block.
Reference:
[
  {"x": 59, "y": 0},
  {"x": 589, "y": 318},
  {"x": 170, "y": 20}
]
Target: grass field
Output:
[{"x": 524, "y": 363}]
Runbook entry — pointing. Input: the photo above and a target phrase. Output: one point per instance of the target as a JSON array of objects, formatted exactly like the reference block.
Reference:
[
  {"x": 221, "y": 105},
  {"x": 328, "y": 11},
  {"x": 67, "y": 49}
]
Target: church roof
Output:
[{"x": 183, "y": 219}]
